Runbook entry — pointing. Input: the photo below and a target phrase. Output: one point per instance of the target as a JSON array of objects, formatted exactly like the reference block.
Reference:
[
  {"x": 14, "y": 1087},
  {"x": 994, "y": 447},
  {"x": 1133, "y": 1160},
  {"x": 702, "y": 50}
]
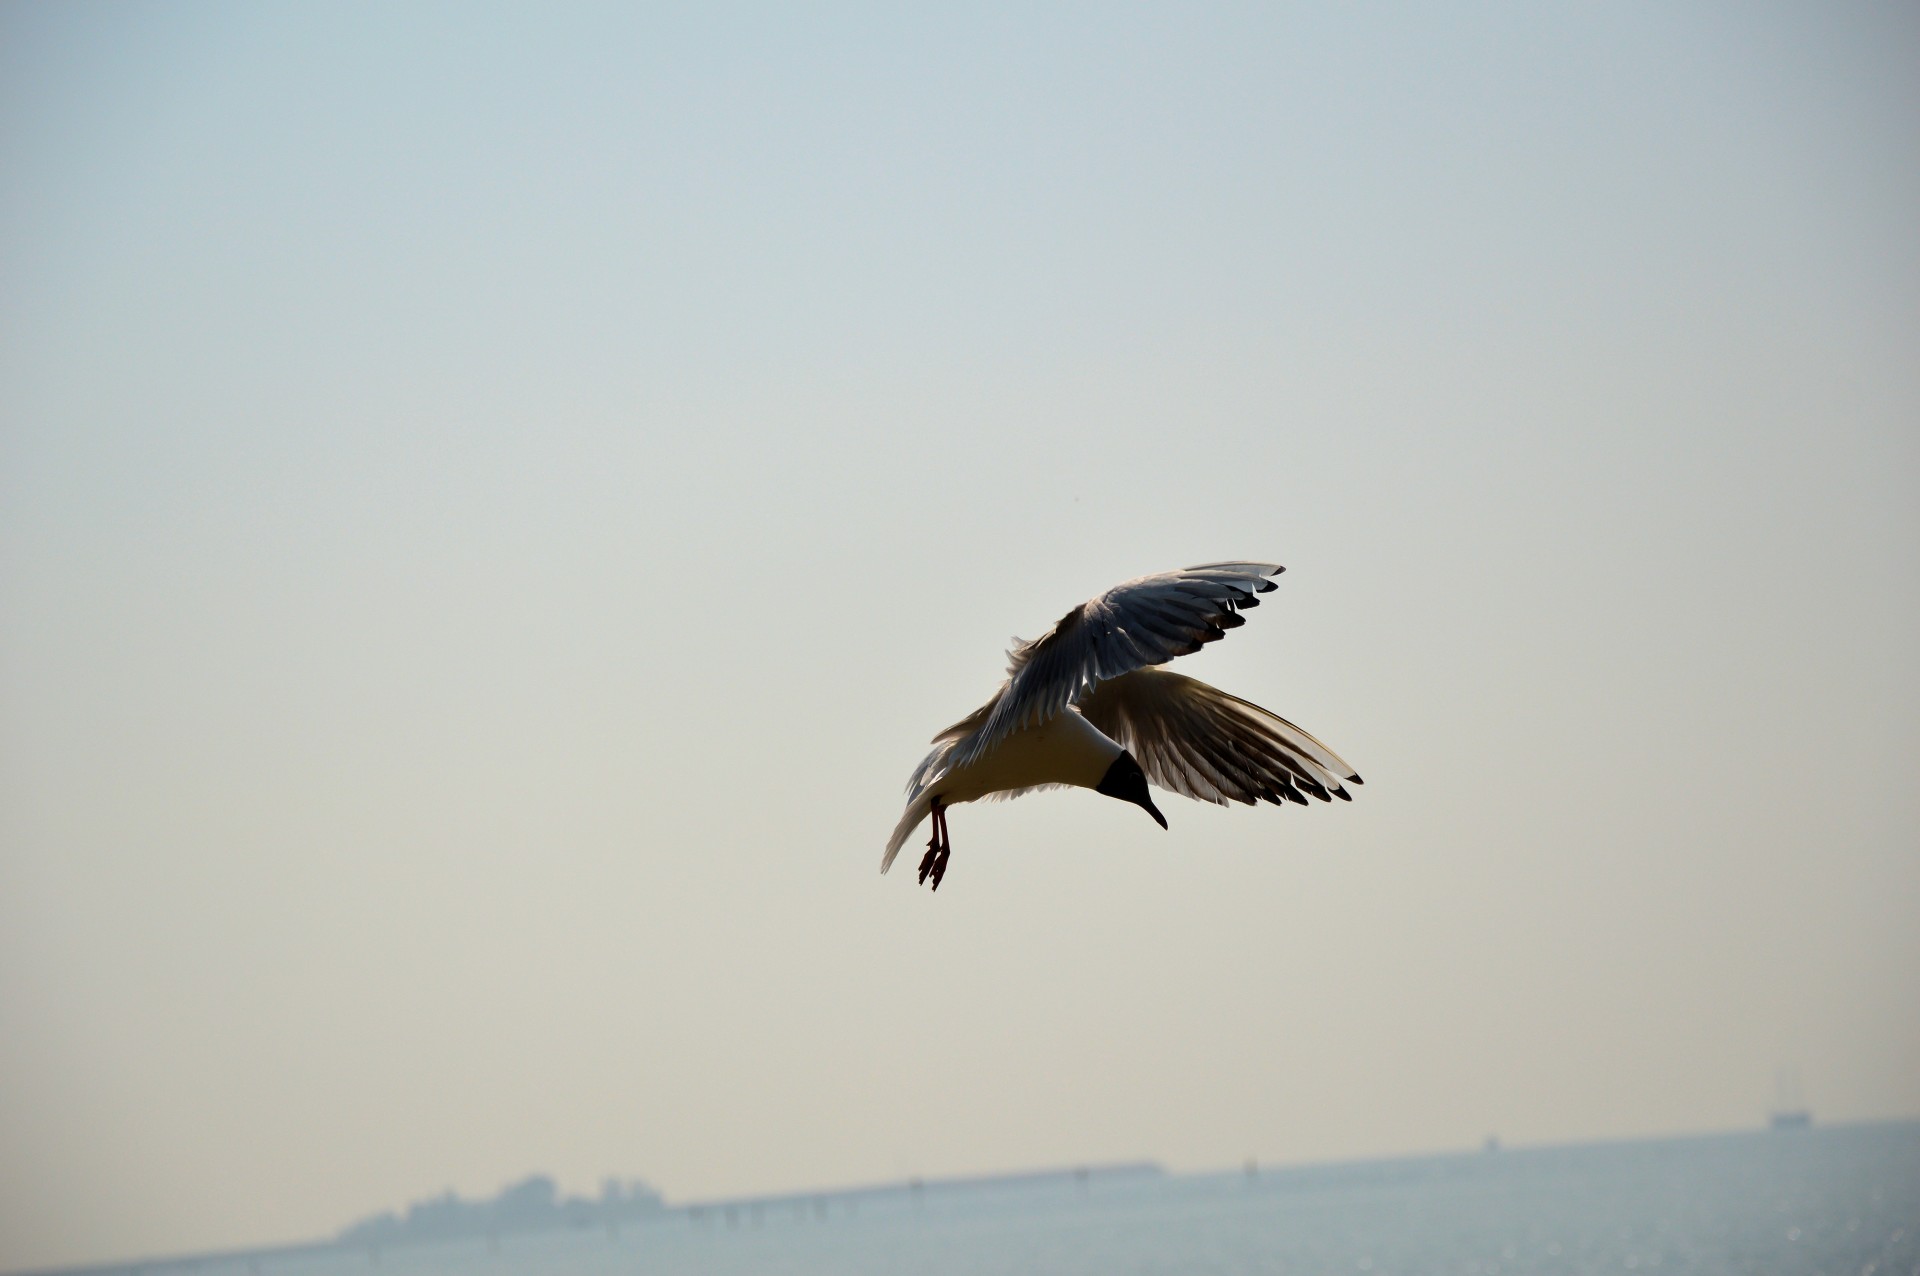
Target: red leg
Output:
[
  {"x": 934, "y": 845},
  {"x": 932, "y": 864},
  {"x": 946, "y": 846}
]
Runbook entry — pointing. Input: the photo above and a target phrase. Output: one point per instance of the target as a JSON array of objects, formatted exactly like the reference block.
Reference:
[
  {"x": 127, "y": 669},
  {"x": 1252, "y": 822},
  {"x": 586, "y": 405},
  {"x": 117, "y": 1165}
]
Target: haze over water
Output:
[{"x": 1836, "y": 1202}]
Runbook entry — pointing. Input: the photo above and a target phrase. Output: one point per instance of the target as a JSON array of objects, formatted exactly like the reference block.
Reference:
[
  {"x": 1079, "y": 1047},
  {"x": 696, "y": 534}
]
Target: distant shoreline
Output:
[{"x": 260, "y": 1258}]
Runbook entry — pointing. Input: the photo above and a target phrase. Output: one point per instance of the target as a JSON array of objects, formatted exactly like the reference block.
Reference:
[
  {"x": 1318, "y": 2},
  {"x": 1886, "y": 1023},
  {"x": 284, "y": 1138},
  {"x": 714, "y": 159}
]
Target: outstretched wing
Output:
[
  {"x": 1197, "y": 740},
  {"x": 1143, "y": 622}
]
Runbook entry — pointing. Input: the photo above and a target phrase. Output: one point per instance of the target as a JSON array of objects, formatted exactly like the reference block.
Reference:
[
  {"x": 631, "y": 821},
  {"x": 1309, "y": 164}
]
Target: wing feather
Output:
[
  {"x": 1133, "y": 626},
  {"x": 1197, "y": 740}
]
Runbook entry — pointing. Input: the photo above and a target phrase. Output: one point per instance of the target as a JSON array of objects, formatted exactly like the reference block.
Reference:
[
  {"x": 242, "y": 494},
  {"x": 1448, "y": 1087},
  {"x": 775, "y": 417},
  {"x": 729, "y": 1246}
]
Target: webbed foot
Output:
[{"x": 934, "y": 863}]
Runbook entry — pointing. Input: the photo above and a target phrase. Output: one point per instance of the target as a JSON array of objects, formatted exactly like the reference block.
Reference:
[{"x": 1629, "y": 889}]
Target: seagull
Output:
[{"x": 1085, "y": 705}]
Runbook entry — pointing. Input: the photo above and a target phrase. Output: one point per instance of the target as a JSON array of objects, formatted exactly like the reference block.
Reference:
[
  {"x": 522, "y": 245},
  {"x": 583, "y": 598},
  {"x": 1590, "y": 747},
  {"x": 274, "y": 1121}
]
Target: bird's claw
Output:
[{"x": 934, "y": 865}]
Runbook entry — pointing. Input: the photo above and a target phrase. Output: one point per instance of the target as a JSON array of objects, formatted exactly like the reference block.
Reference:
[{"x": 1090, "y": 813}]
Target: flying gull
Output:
[{"x": 1084, "y": 705}]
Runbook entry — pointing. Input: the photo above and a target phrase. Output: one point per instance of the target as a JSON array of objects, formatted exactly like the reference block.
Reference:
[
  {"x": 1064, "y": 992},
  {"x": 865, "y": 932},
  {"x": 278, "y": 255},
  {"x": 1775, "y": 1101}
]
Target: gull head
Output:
[{"x": 1126, "y": 781}]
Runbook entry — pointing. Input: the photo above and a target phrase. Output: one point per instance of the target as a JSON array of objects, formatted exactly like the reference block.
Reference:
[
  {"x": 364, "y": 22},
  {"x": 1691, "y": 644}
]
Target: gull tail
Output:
[{"x": 917, "y": 810}]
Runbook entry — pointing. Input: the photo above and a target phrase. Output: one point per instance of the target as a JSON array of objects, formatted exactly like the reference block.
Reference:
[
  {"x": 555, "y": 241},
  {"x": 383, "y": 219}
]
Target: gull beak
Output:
[{"x": 1153, "y": 810}]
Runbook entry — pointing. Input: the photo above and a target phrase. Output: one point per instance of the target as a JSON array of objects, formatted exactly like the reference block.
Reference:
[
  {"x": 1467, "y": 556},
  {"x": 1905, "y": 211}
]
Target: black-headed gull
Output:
[{"x": 1083, "y": 705}]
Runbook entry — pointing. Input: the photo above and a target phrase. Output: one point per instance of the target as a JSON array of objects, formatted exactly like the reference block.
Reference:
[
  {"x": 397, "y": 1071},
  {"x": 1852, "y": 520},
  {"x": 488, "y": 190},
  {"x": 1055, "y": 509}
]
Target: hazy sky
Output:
[{"x": 493, "y": 502}]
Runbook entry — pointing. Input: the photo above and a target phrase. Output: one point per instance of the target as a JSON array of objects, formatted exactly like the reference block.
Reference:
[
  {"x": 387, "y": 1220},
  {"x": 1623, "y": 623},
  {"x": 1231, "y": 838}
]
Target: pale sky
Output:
[{"x": 493, "y": 502}]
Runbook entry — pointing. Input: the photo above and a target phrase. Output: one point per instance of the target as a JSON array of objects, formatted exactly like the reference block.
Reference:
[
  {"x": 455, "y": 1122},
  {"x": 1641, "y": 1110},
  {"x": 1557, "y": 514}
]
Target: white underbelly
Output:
[{"x": 1065, "y": 749}]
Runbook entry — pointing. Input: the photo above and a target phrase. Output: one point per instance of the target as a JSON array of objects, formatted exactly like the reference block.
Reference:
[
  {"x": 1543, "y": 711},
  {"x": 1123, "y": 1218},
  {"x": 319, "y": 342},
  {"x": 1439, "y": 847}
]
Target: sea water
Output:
[{"x": 1836, "y": 1201}]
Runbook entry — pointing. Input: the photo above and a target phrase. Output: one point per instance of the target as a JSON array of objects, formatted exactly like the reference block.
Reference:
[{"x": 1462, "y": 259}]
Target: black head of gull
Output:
[{"x": 1126, "y": 781}]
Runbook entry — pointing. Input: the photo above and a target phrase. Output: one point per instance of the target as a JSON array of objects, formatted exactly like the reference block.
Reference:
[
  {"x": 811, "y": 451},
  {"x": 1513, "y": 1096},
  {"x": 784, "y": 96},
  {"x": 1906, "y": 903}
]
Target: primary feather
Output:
[{"x": 1199, "y": 741}]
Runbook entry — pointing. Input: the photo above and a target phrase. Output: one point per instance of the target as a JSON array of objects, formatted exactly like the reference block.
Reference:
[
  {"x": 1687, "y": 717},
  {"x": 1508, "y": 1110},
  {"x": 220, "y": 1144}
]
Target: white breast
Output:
[{"x": 1065, "y": 749}]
